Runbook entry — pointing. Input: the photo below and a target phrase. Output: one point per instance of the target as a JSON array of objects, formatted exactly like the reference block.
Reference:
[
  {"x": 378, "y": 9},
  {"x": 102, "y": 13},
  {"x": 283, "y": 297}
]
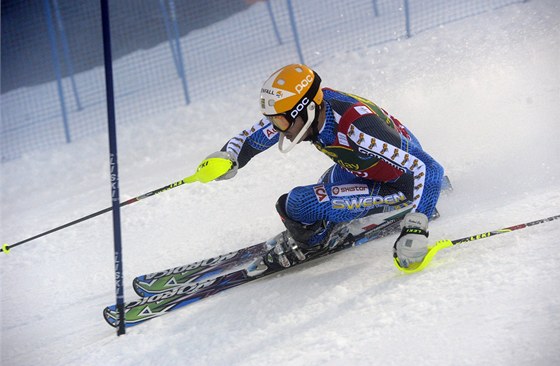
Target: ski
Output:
[{"x": 158, "y": 304}]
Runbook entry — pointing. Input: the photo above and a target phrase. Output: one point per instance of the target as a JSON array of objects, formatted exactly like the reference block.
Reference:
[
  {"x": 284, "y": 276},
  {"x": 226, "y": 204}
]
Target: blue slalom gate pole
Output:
[{"x": 119, "y": 288}]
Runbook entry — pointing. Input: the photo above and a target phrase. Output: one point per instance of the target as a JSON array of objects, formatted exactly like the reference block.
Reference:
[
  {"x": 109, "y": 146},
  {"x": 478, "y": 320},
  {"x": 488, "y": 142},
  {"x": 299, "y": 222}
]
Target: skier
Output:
[{"x": 379, "y": 166}]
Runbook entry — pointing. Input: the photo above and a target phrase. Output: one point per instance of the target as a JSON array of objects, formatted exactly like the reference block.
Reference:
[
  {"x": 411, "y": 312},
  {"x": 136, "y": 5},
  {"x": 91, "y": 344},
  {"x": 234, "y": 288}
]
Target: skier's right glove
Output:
[
  {"x": 412, "y": 245},
  {"x": 220, "y": 165}
]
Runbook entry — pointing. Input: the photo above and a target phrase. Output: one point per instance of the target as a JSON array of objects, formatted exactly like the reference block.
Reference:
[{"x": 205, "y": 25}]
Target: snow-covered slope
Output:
[{"x": 483, "y": 96}]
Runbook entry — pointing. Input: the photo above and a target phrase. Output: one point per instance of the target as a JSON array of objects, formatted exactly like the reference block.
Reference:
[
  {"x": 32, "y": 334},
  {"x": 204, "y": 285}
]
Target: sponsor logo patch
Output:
[
  {"x": 321, "y": 193},
  {"x": 365, "y": 203},
  {"x": 270, "y": 132},
  {"x": 349, "y": 190},
  {"x": 342, "y": 139},
  {"x": 362, "y": 109}
]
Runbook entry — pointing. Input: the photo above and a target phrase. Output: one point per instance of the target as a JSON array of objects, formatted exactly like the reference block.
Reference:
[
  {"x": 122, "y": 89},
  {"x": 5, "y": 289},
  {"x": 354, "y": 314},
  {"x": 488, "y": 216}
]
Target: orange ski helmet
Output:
[{"x": 292, "y": 91}]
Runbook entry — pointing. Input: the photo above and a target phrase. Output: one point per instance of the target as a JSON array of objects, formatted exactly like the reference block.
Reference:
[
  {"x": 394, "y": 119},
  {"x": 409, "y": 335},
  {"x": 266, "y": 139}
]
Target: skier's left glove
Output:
[
  {"x": 412, "y": 245},
  {"x": 220, "y": 165}
]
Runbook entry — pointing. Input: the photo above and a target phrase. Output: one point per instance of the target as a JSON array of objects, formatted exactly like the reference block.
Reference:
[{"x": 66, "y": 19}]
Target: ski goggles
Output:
[{"x": 281, "y": 122}]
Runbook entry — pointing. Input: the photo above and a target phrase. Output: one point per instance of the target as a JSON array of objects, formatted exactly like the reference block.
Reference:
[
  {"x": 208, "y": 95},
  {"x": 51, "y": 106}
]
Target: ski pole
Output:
[
  {"x": 6, "y": 248},
  {"x": 446, "y": 243},
  {"x": 207, "y": 171}
]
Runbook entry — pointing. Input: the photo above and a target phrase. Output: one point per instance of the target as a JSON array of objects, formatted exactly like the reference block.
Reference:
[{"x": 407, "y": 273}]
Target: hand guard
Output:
[
  {"x": 225, "y": 155},
  {"x": 220, "y": 165},
  {"x": 412, "y": 245}
]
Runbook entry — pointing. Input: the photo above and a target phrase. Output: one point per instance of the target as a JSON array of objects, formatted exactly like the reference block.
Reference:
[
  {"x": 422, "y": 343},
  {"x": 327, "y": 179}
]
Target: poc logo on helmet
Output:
[
  {"x": 298, "y": 108},
  {"x": 302, "y": 84}
]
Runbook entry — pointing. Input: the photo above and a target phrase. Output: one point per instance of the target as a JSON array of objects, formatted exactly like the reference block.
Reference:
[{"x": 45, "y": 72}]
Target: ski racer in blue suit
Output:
[{"x": 379, "y": 165}]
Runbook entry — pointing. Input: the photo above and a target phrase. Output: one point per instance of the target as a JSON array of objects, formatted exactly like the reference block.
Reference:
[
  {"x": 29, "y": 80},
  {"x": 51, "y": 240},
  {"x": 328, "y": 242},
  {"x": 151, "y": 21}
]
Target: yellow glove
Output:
[{"x": 220, "y": 165}]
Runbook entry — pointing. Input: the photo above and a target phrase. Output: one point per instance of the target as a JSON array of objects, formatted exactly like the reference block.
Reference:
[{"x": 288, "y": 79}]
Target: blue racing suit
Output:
[{"x": 379, "y": 164}]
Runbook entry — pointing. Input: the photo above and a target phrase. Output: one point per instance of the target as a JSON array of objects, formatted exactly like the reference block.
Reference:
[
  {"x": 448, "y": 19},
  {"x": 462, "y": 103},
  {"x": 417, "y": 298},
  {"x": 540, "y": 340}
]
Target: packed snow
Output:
[{"x": 482, "y": 95}]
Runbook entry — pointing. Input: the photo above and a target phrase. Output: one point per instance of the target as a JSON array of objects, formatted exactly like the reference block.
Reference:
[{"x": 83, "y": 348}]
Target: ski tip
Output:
[
  {"x": 111, "y": 316},
  {"x": 5, "y": 248},
  {"x": 139, "y": 290}
]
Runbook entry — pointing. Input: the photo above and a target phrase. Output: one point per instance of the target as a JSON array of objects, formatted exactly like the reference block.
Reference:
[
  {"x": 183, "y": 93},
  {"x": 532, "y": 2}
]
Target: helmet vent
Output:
[{"x": 281, "y": 81}]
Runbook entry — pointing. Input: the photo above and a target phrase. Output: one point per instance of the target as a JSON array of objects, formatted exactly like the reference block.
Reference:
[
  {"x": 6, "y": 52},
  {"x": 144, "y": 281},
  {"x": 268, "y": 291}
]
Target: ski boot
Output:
[
  {"x": 285, "y": 251},
  {"x": 292, "y": 245}
]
